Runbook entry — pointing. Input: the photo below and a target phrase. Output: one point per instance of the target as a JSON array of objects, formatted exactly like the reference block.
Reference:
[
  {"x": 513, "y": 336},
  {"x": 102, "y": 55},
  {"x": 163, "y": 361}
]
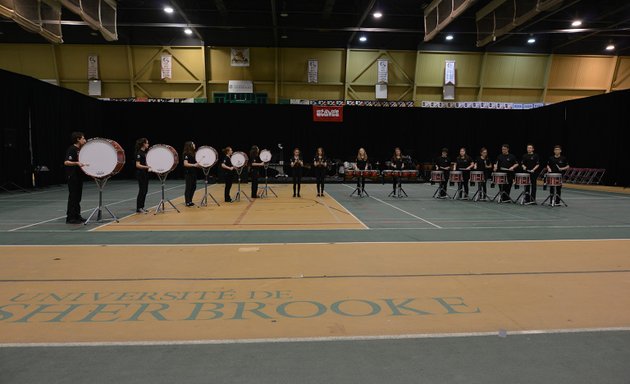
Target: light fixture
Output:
[
  {"x": 188, "y": 31},
  {"x": 284, "y": 37},
  {"x": 168, "y": 9},
  {"x": 610, "y": 47},
  {"x": 377, "y": 14},
  {"x": 284, "y": 14},
  {"x": 449, "y": 37},
  {"x": 531, "y": 40},
  {"x": 576, "y": 23},
  {"x": 363, "y": 39}
]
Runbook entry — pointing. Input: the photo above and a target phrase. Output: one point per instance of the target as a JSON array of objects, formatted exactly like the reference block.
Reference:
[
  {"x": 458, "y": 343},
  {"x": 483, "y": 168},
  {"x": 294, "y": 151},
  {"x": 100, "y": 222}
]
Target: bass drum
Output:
[
  {"x": 162, "y": 158},
  {"x": 206, "y": 156},
  {"x": 103, "y": 158}
]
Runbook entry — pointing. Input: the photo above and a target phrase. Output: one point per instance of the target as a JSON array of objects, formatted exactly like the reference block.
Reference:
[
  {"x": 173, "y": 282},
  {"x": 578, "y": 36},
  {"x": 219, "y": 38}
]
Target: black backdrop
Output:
[{"x": 592, "y": 130}]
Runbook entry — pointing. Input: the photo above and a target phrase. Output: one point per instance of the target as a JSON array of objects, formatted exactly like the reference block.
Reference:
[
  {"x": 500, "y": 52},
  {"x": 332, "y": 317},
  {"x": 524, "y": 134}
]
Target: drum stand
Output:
[
  {"x": 398, "y": 192},
  {"x": 479, "y": 195},
  {"x": 98, "y": 211},
  {"x": 500, "y": 195},
  {"x": 161, "y": 206},
  {"x": 553, "y": 197},
  {"x": 460, "y": 191},
  {"x": 525, "y": 195},
  {"x": 266, "y": 188},
  {"x": 359, "y": 190},
  {"x": 238, "y": 190},
  {"x": 204, "y": 200}
]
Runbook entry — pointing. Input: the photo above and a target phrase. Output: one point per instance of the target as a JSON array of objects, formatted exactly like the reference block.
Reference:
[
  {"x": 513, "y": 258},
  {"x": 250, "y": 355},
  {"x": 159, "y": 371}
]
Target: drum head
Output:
[
  {"x": 239, "y": 159},
  {"x": 206, "y": 156},
  {"x": 162, "y": 158},
  {"x": 265, "y": 155},
  {"x": 101, "y": 157}
]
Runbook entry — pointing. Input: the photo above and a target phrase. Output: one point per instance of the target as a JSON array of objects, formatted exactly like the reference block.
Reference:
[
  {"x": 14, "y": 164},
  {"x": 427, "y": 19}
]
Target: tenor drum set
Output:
[
  {"x": 478, "y": 177},
  {"x": 162, "y": 159},
  {"x": 553, "y": 180},
  {"x": 207, "y": 157},
  {"x": 265, "y": 157}
]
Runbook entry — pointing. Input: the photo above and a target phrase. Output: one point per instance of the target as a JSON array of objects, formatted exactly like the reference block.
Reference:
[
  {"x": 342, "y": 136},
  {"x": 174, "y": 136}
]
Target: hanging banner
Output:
[
  {"x": 166, "y": 65},
  {"x": 382, "y": 71},
  {"x": 239, "y": 57},
  {"x": 92, "y": 67},
  {"x": 449, "y": 72},
  {"x": 327, "y": 114},
  {"x": 381, "y": 91},
  {"x": 313, "y": 67}
]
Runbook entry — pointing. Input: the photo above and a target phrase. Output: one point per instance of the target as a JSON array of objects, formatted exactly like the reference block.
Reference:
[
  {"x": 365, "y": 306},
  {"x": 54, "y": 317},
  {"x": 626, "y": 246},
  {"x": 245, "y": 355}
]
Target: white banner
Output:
[
  {"x": 381, "y": 91},
  {"x": 92, "y": 67},
  {"x": 166, "y": 65},
  {"x": 240, "y": 86},
  {"x": 313, "y": 68},
  {"x": 449, "y": 72},
  {"x": 239, "y": 57},
  {"x": 382, "y": 71}
]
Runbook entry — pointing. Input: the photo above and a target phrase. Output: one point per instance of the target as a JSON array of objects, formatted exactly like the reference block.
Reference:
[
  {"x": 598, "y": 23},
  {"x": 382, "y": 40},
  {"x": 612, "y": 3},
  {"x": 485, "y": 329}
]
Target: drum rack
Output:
[
  {"x": 98, "y": 211},
  {"x": 238, "y": 190},
  {"x": 399, "y": 191},
  {"x": 360, "y": 189},
  {"x": 161, "y": 206},
  {"x": 266, "y": 188},
  {"x": 204, "y": 200}
]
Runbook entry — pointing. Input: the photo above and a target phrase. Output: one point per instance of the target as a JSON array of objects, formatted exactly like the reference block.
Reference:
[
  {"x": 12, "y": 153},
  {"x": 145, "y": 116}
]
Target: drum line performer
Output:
[
  {"x": 73, "y": 177},
  {"x": 321, "y": 165},
  {"x": 483, "y": 164},
  {"x": 297, "y": 165},
  {"x": 142, "y": 173},
  {"x": 464, "y": 163},
  {"x": 190, "y": 172},
  {"x": 362, "y": 165},
  {"x": 531, "y": 164},
  {"x": 557, "y": 164},
  {"x": 443, "y": 163},
  {"x": 398, "y": 164},
  {"x": 506, "y": 162},
  {"x": 255, "y": 163},
  {"x": 228, "y": 173}
]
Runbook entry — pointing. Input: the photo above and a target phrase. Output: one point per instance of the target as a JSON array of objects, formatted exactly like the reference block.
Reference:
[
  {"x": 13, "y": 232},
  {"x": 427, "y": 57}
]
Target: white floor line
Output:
[
  {"x": 350, "y": 213},
  {"x": 113, "y": 221},
  {"x": 498, "y": 333},
  {"x": 86, "y": 210}
]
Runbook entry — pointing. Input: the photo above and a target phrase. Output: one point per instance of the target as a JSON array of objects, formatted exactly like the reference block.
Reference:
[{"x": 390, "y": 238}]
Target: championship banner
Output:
[
  {"x": 313, "y": 68},
  {"x": 239, "y": 57},
  {"x": 166, "y": 65},
  {"x": 327, "y": 114},
  {"x": 92, "y": 67},
  {"x": 449, "y": 72},
  {"x": 382, "y": 71}
]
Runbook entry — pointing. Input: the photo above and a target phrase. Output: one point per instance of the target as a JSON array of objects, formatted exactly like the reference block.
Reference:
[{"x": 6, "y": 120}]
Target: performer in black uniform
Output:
[
  {"x": 228, "y": 173},
  {"x": 296, "y": 166},
  {"x": 321, "y": 164},
  {"x": 254, "y": 167},
  {"x": 443, "y": 163},
  {"x": 362, "y": 165},
  {"x": 557, "y": 164},
  {"x": 483, "y": 164},
  {"x": 142, "y": 173},
  {"x": 464, "y": 163},
  {"x": 398, "y": 164},
  {"x": 73, "y": 177},
  {"x": 190, "y": 172},
  {"x": 506, "y": 162},
  {"x": 531, "y": 164}
]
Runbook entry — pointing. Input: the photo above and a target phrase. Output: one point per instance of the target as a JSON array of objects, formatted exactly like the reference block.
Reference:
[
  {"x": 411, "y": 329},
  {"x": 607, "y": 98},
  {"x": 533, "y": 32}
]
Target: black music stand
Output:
[
  {"x": 161, "y": 206},
  {"x": 98, "y": 211}
]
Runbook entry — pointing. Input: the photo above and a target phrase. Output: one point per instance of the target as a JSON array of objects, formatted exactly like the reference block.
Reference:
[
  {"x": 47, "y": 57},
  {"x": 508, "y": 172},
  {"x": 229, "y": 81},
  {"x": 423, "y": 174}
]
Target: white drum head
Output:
[
  {"x": 239, "y": 159},
  {"x": 161, "y": 158},
  {"x": 206, "y": 156},
  {"x": 265, "y": 155},
  {"x": 100, "y": 156}
]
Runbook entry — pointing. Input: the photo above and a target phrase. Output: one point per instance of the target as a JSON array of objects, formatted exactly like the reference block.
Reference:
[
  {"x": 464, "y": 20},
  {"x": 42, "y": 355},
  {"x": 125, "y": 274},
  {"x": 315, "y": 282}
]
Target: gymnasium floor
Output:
[{"x": 312, "y": 290}]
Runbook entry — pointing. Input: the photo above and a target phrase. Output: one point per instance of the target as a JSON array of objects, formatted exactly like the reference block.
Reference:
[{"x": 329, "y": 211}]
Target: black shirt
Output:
[
  {"x": 484, "y": 165},
  {"x": 318, "y": 160},
  {"x": 505, "y": 161},
  {"x": 141, "y": 157},
  {"x": 530, "y": 161},
  {"x": 294, "y": 163},
  {"x": 555, "y": 163},
  {"x": 463, "y": 162},
  {"x": 72, "y": 154},
  {"x": 228, "y": 163},
  {"x": 191, "y": 160},
  {"x": 397, "y": 163},
  {"x": 443, "y": 162},
  {"x": 361, "y": 164},
  {"x": 254, "y": 168}
]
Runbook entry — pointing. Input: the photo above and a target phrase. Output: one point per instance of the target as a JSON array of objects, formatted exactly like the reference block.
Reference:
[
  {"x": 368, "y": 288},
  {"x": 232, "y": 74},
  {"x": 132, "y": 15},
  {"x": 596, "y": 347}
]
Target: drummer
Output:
[
  {"x": 228, "y": 173},
  {"x": 296, "y": 166},
  {"x": 397, "y": 165},
  {"x": 483, "y": 164},
  {"x": 320, "y": 163},
  {"x": 557, "y": 164},
  {"x": 443, "y": 163},
  {"x": 142, "y": 173},
  {"x": 73, "y": 177},
  {"x": 362, "y": 165},
  {"x": 255, "y": 163},
  {"x": 531, "y": 164},
  {"x": 190, "y": 172},
  {"x": 506, "y": 162},
  {"x": 464, "y": 163}
]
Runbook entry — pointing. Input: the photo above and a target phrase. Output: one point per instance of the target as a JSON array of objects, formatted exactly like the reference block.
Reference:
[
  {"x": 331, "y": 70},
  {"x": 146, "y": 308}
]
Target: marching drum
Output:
[
  {"x": 409, "y": 174},
  {"x": 370, "y": 173},
  {"x": 265, "y": 155},
  {"x": 103, "y": 157},
  {"x": 239, "y": 159},
  {"x": 206, "y": 156},
  {"x": 162, "y": 158},
  {"x": 437, "y": 177},
  {"x": 456, "y": 177},
  {"x": 554, "y": 179},
  {"x": 389, "y": 173},
  {"x": 499, "y": 178},
  {"x": 477, "y": 177},
  {"x": 521, "y": 179},
  {"x": 349, "y": 173}
]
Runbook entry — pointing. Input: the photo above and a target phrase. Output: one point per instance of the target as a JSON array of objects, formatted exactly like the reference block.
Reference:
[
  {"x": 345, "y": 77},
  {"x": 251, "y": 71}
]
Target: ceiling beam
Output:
[
  {"x": 221, "y": 8},
  {"x": 179, "y": 10},
  {"x": 328, "y": 7},
  {"x": 274, "y": 19},
  {"x": 361, "y": 20}
]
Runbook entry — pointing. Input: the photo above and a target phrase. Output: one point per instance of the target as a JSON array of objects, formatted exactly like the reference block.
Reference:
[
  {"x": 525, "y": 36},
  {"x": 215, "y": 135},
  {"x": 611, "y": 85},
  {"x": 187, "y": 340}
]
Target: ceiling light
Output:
[
  {"x": 168, "y": 9},
  {"x": 284, "y": 14},
  {"x": 188, "y": 31},
  {"x": 531, "y": 40},
  {"x": 449, "y": 37},
  {"x": 284, "y": 37},
  {"x": 610, "y": 47},
  {"x": 576, "y": 23},
  {"x": 363, "y": 39},
  {"x": 377, "y": 15}
]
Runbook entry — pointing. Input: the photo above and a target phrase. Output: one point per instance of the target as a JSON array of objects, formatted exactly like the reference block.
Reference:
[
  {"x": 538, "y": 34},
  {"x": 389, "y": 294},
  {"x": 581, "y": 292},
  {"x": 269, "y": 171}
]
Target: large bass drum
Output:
[
  {"x": 239, "y": 159},
  {"x": 206, "y": 156},
  {"x": 162, "y": 158},
  {"x": 103, "y": 157}
]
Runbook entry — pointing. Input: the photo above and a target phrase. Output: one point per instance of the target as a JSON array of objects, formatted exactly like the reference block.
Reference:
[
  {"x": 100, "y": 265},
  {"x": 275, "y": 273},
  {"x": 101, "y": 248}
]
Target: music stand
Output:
[
  {"x": 204, "y": 200},
  {"x": 98, "y": 211},
  {"x": 238, "y": 191},
  {"x": 161, "y": 207},
  {"x": 266, "y": 188}
]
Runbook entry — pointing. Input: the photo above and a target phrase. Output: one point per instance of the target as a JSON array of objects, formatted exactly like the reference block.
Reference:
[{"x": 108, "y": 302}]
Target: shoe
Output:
[
  {"x": 139, "y": 211},
  {"x": 298, "y": 195},
  {"x": 294, "y": 195},
  {"x": 74, "y": 221},
  {"x": 82, "y": 219},
  {"x": 229, "y": 201}
]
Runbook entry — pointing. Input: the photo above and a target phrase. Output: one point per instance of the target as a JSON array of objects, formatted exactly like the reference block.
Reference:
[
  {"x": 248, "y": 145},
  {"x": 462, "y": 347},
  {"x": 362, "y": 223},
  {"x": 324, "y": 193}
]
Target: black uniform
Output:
[
  {"x": 461, "y": 164},
  {"x": 485, "y": 166},
  {"x": 320, "y": 173},
  {"x": 228, "y": 176},
  {"x": 504, "y": 162},
  {"x": 397, "y": 165},
  {"x": 253, "y": 174},
  {"x": 361, "y": 166},
  {"x": 555, "y": 163},
  {"x": 143, "y": 179},
  {"x": 529, "y": 162},
  {"x": 75, "y": 185},
  {"x": 190, "y": 174},
  {"x": 443, "y": 164},
  {"x": 296, "y": 168}
]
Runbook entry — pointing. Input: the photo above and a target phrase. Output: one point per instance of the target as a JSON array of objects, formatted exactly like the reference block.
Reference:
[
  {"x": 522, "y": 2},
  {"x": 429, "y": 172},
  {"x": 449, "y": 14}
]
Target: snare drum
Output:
[
  {"x": 239, "y": 159},
  {"x": 521, "y": 179},
  {"x": 388, "y": 173},
  {"x": 499, "y": 178},
  {"x": 477, "y": 177},
  {"x": 409, "y": 174},
  {"x": 553, "y": 179},
  {"x": 162, "y": 158},
  {"x": 265, "y": 155},
  {"x": 350, "y": 173},
  {"x": 456, "y": 177},
  {"x": 206, "y": 156},
  {"x": 371, "y": 173},
  {"x": 437, "y": 177},
  {"x": 103, "y": 157}
]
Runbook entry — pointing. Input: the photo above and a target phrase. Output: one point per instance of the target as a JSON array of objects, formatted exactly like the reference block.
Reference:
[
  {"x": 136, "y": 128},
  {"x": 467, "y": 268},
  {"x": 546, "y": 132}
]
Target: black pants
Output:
[
  {"x": 466, "y": 176},
  {"x": 557, "y": 190},
  {"x": 254, "y": 181},
  {"x": 361, "y": 182},
  {"x": 143, "y": 188},
  {"x": 484, "y": 189},
  {"x": 444, "y": 184},
  {"x": 191, "y": 186},
  {"x": 320, "y": 176},
  {"x": 507, "y": 188},
  {"x": 297, "y": 181},
  {"x": 75, "y": 192},
  {"x": 396, "y": 180},
  {"x": 532, "y": 187},
  {"x": 228, "y": 187}
]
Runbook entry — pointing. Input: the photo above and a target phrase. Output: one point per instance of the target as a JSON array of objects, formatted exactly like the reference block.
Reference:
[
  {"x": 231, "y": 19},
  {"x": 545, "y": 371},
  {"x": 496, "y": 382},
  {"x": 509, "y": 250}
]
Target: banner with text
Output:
[{"x": 327, "y": 114}]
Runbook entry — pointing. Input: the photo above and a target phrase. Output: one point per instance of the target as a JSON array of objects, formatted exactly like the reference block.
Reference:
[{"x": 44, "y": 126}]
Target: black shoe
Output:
[
  {"x": 298, "y": 195},
  {"x": 74, "y": 221},
  {"x": 82, "y": 219},
  {"x": 294, "y": 195}
]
